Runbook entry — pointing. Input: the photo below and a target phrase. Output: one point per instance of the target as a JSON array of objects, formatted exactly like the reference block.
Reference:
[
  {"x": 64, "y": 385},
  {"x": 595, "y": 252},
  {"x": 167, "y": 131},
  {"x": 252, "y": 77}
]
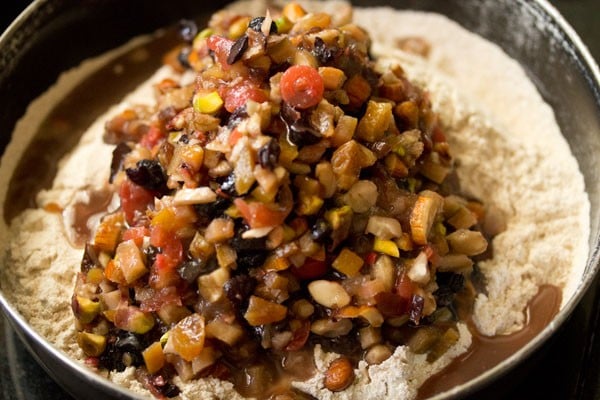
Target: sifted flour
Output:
[{"x": 516, "y": 161}]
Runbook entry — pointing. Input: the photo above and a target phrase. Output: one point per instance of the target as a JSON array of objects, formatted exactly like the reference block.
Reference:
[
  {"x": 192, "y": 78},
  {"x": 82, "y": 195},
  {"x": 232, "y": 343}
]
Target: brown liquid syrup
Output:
[{"x": 486, "y": 352}]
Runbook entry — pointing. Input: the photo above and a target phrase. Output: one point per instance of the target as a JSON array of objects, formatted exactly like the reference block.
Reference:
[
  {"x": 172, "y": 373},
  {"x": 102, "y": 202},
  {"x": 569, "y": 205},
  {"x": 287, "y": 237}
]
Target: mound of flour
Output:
[{"x": 517, "y": 161}]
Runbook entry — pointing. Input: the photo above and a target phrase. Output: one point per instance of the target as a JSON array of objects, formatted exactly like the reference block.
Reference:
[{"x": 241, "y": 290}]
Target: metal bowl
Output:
[{"x": 552, "y": 55}]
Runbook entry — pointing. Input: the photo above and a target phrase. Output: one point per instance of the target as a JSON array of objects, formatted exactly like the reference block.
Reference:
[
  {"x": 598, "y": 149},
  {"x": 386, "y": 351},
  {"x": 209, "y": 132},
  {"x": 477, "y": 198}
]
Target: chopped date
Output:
[{"x": 149, "y": 174}]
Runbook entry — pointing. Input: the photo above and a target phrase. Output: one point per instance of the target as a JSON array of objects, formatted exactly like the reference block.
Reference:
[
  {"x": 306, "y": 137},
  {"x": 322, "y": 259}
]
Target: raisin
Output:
[
  {"x": 237, "y": 50},
  {"x": 319, "y": 230},
  {"x": 238, "y": 289},
  {"x": 183, "y": 57},
  {"x": 207, "y": 212},
  {"x": 324, "y": 53},
  {"x": 416, "y": 308},
  {"x": 190, "y": 270},
  {"x": 268, "y": 155},
  {"x": 237, "y": 116},
  {"x": 455, "y": 282},
  {"x": 256, "y": 25},
  {"x": 151, "y": 252},
  {"x": 148, "y": 174},
  {"x": 188, "y": 30},
  {"x": 228, "y": 185},
  {"x": 170, "y": 390}
]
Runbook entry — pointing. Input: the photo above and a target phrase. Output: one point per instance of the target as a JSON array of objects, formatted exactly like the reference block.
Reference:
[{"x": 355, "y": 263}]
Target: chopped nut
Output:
[
  {"x": 329, "y": 294},
  {"x": 339, "y": 375},
  {"x": 378, "y": 354}
]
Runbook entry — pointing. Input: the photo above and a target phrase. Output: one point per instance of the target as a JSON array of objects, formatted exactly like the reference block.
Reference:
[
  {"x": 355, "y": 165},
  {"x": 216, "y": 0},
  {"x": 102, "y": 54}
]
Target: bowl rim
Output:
[{"x": 591, "y": 72}]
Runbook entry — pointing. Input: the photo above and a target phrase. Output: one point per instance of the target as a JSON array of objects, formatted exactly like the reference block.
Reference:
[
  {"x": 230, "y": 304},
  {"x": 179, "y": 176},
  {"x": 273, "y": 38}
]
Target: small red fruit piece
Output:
[{"x": 302, "y": 86}]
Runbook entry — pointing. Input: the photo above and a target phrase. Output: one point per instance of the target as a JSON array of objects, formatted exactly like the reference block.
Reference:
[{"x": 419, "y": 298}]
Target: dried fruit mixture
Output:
[{"x": 293, "y": 195}]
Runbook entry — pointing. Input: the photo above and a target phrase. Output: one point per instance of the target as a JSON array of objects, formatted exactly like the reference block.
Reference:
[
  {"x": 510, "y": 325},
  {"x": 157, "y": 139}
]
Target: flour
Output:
[{"x": 515, "y": 160}]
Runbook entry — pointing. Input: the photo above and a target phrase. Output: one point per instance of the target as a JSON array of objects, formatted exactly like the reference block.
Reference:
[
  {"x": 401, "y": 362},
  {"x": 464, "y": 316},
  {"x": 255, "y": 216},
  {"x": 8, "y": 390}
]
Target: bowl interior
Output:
[{"x": 532, "y": 33}]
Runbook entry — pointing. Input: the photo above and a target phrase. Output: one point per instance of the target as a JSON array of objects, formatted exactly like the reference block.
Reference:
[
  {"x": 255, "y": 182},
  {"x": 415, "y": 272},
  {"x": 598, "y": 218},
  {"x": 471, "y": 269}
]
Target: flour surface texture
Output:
[{"x": 516, "y": 161}]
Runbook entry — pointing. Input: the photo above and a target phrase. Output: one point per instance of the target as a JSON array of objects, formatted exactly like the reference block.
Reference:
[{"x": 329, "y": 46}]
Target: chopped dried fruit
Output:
[{"x": 287, "y": 196}]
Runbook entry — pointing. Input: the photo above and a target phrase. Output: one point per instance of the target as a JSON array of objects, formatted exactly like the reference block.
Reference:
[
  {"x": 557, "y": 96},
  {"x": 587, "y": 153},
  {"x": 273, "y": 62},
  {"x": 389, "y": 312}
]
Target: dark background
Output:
[{"x": 568, "y": 367}]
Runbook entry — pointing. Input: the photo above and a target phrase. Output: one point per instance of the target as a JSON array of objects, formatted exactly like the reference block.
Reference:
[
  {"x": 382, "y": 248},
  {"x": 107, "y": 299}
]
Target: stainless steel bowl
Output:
[{"x": 54, "y": 35}]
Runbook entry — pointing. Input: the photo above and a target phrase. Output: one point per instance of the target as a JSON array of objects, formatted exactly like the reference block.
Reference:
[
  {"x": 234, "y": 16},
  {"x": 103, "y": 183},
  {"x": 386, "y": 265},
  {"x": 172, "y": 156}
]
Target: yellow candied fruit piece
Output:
[
  {"x": 293, "y": 11},
  {"x": 209, "y": 103},
  {"x": 154, "y": 357},
  {"x": 95, "y": 276},
  {"x": 386, "y": 247},
  {"x": 233, "y": 212},
  {"x": 309, "y": 205},
  {"x": 333, "y": 78},
  {"x": 238, "y": 28},
  {"x": 348, "y": 262},
  {"x": 276, "y": 264},
  {"x": 288, "y": 233}
]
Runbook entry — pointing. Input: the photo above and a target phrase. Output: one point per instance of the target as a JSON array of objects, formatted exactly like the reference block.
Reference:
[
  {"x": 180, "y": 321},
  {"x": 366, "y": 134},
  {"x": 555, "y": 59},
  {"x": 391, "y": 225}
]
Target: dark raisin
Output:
[
  {"x": 190, "y": 270},
  {"x": 237, "y": 50},
  {"x": 455, "y": 282},
  {"x": 118, "y": 156},
  {"x": 444, "y": 296},
  {"x": 324, "y": 53},
  {"x": 268, "y": 155},
  {"x": 185, "y": 139},
  {"x": 248, "y": 245},
  {"x": 151, "y": 252},
  {"x": 170, "y": 390},
  {"x": 416, "y": 308},
  {"x": 207, "y": 212},
  {"x": 167, "y": 114},
  {"x": 122, "y": 351},
  {"x": 299, "y": 130},
  {"x": 228, "y": 185},
  {"x": 237, "y": 116},
  {"x": 249, "y": 260},
  {"x": 148, "y": 174},
  {"x": 256, "y": 25},
  {"x": 188, "y": 30},
  {"x": 238, "y": 289},
  {"x": 183, "y": 57},
  {"x": 319, "y": 230},
  {"x": 302, "y": 135}
]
